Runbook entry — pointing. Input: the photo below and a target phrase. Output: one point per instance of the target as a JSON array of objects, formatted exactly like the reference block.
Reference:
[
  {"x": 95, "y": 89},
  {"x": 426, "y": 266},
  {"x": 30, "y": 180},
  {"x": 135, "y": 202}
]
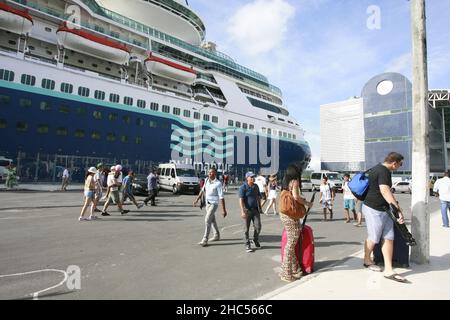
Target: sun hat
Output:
[
  {"x": 118, "y": 167},
  {"x": 99, "y": 165},
  {"x": 113, "y": 168},
  {"x": 92, "y": 170}
]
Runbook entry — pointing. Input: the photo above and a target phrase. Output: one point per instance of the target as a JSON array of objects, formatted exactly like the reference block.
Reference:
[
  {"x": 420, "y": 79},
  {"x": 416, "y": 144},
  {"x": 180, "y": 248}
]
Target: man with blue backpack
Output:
[{"x": 380, "y": 227}]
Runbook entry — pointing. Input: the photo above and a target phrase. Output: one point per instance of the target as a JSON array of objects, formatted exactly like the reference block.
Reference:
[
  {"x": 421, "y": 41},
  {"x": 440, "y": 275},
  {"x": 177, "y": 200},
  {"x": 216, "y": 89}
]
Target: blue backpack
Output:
[{"x": 359, "y": 185}]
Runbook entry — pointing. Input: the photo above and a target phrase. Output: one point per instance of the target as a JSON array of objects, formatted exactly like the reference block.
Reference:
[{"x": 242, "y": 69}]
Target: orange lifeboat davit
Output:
[
  {"x": 15, "y": 20},
  {"x": 93, "y": 45},
  {"x": 169, "y": 69}
]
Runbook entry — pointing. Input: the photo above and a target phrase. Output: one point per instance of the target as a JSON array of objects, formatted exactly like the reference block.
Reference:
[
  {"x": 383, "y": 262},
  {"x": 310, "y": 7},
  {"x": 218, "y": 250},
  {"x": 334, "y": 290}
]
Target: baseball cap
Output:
[
  {"x": 92, "y": 170},
  {"x": 249, "y": 174}
]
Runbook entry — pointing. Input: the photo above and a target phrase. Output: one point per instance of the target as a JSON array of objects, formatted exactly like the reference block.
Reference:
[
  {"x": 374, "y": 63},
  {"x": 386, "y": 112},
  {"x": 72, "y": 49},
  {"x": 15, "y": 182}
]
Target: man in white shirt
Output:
[
  {"x": 65, "y": 179},
  {"x": 327, "y": 197},
  {"x": 442, "y": 189},
  {"x": 260, "y": 181},
  {"x": 213, "y": 192}
]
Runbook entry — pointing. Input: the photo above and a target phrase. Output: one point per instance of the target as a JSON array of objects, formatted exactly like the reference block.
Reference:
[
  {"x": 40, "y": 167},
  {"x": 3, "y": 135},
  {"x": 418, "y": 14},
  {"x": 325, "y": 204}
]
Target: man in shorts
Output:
[
  {"x": 327, "y": 197},
  {"x": 349, "y": 200},
  {"x": 380, "y": 226}
]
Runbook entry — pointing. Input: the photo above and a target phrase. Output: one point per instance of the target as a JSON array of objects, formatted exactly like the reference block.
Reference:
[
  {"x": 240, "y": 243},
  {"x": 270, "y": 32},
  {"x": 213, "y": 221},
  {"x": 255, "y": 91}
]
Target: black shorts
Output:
[{"x": 263, "y": 196}]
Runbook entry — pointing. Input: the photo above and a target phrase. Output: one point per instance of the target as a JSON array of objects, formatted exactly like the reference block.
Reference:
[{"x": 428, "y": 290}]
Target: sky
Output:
[{"x": 323, "y": 51}]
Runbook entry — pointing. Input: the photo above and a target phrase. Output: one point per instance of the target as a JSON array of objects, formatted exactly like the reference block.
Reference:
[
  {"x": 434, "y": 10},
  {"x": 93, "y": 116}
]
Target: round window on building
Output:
[{"x": 385, "y": 87}]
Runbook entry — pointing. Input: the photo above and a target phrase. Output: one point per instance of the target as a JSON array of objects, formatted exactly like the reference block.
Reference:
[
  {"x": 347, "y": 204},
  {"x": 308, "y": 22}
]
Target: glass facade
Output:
[{"x": 387, "y": 105}]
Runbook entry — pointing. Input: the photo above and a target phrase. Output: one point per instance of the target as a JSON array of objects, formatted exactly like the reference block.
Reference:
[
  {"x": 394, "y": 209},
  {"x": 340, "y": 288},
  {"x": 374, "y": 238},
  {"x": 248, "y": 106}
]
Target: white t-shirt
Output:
[
  {"x": 348, "y": 195},
  {"x": 65, "y": 173},
  {"x": 261, "y": 182},
  {"x": 111, "y": 181},
  {"x": 213, "y": 191},
  {"x": 442, "y": 186},
  {"x": 326, "y": 191}
]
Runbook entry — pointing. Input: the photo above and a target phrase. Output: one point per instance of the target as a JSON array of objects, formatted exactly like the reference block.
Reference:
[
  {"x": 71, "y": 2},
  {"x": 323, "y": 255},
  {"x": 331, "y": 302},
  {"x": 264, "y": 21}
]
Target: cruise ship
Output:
[{"x": 132, "y": 82}]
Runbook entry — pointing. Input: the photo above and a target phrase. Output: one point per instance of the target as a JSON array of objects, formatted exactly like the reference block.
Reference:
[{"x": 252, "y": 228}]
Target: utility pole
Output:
[{"x": 420, "y": 145}]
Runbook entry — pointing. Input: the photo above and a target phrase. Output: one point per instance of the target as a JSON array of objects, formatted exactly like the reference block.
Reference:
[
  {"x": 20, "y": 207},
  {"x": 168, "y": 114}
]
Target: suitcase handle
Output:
[{"x": 307, "y": 211}]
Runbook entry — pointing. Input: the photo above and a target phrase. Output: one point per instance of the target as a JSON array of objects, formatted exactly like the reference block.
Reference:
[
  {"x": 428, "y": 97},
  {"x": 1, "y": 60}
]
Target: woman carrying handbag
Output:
[{"x": 292, "y": 209}]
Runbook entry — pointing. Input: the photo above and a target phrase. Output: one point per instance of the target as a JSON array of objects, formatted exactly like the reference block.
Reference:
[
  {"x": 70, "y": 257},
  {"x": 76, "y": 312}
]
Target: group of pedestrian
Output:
[
  {"x": 380, "y": 228},
  {"x": 118, "y": 190},
  {"x": 253, "y": 194}
]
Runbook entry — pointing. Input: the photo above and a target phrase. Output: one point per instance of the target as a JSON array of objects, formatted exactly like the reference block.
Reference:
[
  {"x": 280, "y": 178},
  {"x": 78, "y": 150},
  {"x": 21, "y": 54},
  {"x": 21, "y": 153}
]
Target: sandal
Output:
[
  {"x": 372, "y": 267},
  {"x": 397, "y": 277}
]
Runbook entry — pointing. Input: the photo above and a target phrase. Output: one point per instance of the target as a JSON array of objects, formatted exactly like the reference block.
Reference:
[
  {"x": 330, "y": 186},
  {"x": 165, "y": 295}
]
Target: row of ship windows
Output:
[
  {"x": 81, "y": 111},
  {"x": 115, "y": 98},
  {"x": 64, "y": 132}
]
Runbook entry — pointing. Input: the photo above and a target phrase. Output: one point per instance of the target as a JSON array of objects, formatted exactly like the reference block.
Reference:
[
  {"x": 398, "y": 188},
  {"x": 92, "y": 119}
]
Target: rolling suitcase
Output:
[
  {"x": 400, "y": 257},
  {"x": 305, "y": 253}
]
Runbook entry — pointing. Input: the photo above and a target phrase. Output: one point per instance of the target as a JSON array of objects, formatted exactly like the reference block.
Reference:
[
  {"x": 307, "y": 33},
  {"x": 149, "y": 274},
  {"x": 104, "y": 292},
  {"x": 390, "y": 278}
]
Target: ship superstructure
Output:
[{"x": 135, "y": 82}]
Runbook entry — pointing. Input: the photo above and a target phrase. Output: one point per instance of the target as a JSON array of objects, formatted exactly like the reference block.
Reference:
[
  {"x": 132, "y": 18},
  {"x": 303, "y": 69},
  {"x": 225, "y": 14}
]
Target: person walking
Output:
[
  {"x": 98, "y": 178},
  {"x": 349, "y": 200},
  {"x": 152, "y": 186},
  {"x": 213, "y": 194},
  {"x": 327, "y": 197},
  {"x": 89, "y": 192},
  {"x": 441, "y": 189},
  {"x": 249, "y": 201},
  {"x": 290, "y": 269},
  {"x": 65, "y": 179},
  {"x": 379, "y": 225},
  {"x": 114, "y": 183},
  {"x": 260, "y": 181},
  {"x": 273, "y": 186},
  {"x": 127, "y": 191},
  {"x": 11, "y": 177},
  {"x": 226, "y": 181}
]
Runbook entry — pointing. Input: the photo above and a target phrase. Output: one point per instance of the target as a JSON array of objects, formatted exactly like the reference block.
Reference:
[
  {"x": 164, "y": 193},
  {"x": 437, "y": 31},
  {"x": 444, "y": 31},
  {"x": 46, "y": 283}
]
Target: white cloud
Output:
[{"x": 260, "y": 25}]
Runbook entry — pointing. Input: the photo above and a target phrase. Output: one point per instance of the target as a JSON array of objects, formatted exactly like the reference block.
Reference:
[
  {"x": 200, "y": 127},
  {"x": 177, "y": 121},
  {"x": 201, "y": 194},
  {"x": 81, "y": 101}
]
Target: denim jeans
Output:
[
  {"x": 254, "y": 216},
  {"x": 445, "y": 205}
]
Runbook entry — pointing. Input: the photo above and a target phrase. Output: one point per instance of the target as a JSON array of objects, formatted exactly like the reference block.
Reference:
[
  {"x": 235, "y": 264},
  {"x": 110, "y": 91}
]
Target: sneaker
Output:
[
  {"x": 92, "y": 218},
  {"x": 248, "y": 247},
  {"x": 257, "y": 244},
  {"x": 153, "y": 204},
  {"x": 203, "y": 243},
  {"x": 215, "y": 238},
  {"x": 140, "y": 205},
  {"x": 125, "y": 211},
  {"x": 97, "y": 210},
  {"x": 104, "y": 213},
  {"x": 82, "y": 219}
]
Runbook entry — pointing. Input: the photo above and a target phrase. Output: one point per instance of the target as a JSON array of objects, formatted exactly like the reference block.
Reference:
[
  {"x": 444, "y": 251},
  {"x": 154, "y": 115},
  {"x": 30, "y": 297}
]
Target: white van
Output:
[
  {"x": 178, "y": 178},
  {"x": 4, "y": 163},
  {"x": 334, "y": 177}
]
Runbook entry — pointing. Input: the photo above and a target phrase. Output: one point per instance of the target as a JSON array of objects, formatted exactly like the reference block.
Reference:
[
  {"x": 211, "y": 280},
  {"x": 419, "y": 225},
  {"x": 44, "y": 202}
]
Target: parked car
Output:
[
  {"x": 307, "y": 185},
  {"x": 401, "y": 186},
  {"x": 140, "y": 185}
]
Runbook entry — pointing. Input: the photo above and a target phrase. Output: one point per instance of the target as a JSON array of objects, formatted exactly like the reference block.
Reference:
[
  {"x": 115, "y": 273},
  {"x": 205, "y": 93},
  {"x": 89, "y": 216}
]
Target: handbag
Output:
[{"x": 291, "y": 207}]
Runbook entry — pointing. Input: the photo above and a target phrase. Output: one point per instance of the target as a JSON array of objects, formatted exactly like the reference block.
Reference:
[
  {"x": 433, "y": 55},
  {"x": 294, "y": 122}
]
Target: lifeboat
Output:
[
  {"x": 169, "y": 69},
  {"x": 93, "y": 45},
  {"x": 15, "y": 20}
]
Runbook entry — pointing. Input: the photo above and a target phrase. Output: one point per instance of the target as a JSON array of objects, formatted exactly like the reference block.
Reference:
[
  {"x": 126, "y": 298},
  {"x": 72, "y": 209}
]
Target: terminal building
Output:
[{"x": 358, "y": 133}]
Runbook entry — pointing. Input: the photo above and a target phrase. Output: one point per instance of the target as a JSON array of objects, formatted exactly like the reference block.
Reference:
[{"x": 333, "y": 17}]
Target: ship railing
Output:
[{"x": 220, "y": 58}]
